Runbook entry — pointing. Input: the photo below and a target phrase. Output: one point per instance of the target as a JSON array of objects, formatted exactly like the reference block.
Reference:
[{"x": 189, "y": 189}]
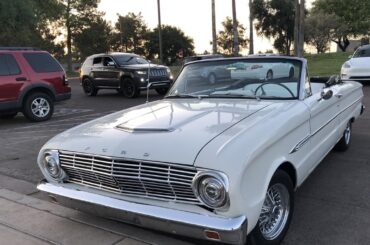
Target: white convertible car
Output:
[{"x": 216, "y": 161}]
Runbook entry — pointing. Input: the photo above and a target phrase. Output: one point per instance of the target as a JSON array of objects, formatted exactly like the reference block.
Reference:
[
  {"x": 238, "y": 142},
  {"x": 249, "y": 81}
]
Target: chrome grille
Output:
[
  {"x": 144, "y": 179},
  {"x": 158, "y": 72}
]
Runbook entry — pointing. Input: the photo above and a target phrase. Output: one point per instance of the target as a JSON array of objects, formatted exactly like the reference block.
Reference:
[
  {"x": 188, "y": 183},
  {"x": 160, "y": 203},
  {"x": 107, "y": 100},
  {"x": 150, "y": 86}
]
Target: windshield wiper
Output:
[
  {"x": 235, "y": 95},
  {"x": 200, "y": 96}
]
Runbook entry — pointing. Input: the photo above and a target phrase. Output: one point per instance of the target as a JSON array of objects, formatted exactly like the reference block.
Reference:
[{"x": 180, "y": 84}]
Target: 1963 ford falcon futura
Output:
[{"x": 212, "y": 160}]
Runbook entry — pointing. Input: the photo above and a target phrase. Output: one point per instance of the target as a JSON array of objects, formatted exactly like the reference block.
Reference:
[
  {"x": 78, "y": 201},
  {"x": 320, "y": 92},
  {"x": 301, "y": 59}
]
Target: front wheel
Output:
[
  {"x": 38, "y": 107},
  {"x": 276, "y": 213},
  {"x": 129, "y": 88}
]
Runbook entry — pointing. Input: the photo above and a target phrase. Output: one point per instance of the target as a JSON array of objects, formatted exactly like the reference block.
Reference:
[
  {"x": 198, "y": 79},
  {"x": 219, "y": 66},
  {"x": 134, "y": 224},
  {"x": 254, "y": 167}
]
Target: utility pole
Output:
[
  {"x": 251, "y": 38},
  {"x": 301, "y": 28},
  {"x": 235, "y": 30},
  {"x": 120, "y": 31},
  {"x": 214, "y": 36},
  {"x": 296, "y": 27},
  {"x": 160, "y": 32}
]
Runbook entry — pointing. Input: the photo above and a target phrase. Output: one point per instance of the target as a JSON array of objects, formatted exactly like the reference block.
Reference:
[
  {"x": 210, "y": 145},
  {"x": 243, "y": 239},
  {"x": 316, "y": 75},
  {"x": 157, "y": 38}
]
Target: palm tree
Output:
[
  {"x": 214, "y": 37},
  {"x": 251, "y": 39},
  {"x": 235, "y": 30}
]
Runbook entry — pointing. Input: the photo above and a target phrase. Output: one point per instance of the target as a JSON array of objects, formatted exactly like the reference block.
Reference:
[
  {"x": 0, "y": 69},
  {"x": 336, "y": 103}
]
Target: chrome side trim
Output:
[
  {"x": 231, "y": 230},
  {"x": 307, "y": 138}
]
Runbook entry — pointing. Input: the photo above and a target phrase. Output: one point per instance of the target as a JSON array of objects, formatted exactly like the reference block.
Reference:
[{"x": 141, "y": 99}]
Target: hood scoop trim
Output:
[{"x": 144, "y": 130}]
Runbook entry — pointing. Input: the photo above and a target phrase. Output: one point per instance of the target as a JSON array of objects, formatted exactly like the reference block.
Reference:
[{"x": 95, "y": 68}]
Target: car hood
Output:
[
  {"x": 172, "y": 130},
  {"x": 361, "y": 62}
]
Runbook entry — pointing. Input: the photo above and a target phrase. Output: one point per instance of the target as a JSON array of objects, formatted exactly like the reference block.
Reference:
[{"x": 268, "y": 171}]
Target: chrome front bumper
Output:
[{"x": 230, "y": 230}]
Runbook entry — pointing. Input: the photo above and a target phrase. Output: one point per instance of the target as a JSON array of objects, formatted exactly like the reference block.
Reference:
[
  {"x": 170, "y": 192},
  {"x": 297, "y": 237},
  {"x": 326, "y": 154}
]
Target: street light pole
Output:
[{"x": 160, "y": 32}]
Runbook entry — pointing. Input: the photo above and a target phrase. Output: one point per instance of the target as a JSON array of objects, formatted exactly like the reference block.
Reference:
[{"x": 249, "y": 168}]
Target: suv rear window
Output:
[
  {"x": 8, "y": 65},
  {"x": 42, "y": 62}
]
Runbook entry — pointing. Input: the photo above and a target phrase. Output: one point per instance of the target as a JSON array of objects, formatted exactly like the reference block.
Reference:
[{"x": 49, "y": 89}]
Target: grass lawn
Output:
[{"x": 326, "y": 64}]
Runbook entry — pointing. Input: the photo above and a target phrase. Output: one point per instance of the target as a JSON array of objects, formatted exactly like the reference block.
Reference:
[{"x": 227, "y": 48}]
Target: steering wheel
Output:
[{"x": 273, "y": 83}]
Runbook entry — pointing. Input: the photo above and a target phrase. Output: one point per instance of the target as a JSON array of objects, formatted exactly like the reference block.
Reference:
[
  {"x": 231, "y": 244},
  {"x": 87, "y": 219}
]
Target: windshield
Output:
[
  {"x": 129, "y": 60},
  {"x": 236, "y": 78},
  {"x": 362, "y": 52}
]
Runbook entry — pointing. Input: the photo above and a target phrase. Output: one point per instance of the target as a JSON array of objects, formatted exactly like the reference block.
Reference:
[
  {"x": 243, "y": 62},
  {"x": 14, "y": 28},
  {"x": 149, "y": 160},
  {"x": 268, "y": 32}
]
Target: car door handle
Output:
[
  {"x": 339, "y": 96},
  {"x": 19, "y": 79}
]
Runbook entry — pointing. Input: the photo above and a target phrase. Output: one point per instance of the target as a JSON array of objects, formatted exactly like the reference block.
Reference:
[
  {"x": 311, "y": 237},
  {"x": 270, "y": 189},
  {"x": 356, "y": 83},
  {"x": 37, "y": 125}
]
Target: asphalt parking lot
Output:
[{"x": 332, "y": 206}]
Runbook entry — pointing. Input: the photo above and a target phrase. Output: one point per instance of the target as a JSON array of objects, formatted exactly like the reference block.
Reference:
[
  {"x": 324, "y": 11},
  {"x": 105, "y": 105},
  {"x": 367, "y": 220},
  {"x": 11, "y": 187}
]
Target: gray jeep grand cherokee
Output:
[{"x": 127, "y": 73}]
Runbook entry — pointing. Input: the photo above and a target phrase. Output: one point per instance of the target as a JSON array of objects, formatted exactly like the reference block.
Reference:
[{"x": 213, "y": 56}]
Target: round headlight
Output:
[
  {"x": 52, "y": 166},
  {"x": 211, "y": 189}
]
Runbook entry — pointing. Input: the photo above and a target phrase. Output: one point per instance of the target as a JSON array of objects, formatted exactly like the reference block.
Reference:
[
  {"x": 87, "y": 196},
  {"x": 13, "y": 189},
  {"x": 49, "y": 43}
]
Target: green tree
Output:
[
  {"x": 176, "y": 44},
  {"x": 320, "y": 30},
  {"x": 276, "y": 20},
  {"x": 77, "y": 16},
  {"x": 225, "y": 40},
  {"x": 29, "y": 23},
  {"x": 354, "y": 16},
  {"x": 96, "y": 38},
  {"x": 131, "y": 33}
]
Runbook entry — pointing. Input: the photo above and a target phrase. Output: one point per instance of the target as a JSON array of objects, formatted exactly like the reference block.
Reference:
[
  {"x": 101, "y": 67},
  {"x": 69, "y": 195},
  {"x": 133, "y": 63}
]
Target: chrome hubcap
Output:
[
  {"x": 275, "y": 212},
  {"x": 347, "y": 133},
  {"x": 40, "y": 107}
]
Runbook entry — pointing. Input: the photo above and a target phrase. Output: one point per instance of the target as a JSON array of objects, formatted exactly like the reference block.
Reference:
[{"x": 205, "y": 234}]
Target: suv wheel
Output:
[
  {"x": 89, "y": 87},
  {"x": 38, "y": 107},
  {"x": 129, "y": 88},
  {"x": 161, "y": 91}
]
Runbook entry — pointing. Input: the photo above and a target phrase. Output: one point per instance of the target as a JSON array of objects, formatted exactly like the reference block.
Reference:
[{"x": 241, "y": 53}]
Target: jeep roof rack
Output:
[{"x": 19, "y": 48}]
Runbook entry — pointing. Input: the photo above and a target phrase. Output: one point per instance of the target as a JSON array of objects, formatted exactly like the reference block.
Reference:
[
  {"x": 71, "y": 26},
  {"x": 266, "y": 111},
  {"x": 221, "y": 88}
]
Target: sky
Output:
[{"x": 194, "y": 17}]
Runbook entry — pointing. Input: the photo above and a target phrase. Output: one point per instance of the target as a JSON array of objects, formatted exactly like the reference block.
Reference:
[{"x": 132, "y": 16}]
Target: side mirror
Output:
[
  {"x": 326, "y": 95},
  {"x": 111, "y": 64},
  {"x": 350, "y": 57}
]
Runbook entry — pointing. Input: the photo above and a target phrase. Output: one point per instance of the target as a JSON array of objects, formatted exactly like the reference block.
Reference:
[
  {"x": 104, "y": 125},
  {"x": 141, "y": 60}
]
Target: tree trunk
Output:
[
  {"x": 160, "y": 32},
  {"x": 296, "y": 27},
  {"x": 235, "y": 31},
  {"x": 251, "y": 38},
  {"x": 214, "y": 36},
  {"x": 69, "y": 37},
  {"x": 301, "y": 29}
]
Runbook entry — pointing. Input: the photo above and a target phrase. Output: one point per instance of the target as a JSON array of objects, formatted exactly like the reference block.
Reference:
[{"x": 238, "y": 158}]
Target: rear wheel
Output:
[
  {"x": 345, "y": 142},
  {"x": 161, "y": 91},
  {"x": 38, "y": 107},
  {"x": 269, "y": 75},
  {"x": 129, "y": 88},
  {"x": 276, "y": 213},
  {"x": 212, "y": 78},
  {"x": 89, "y": 87}
]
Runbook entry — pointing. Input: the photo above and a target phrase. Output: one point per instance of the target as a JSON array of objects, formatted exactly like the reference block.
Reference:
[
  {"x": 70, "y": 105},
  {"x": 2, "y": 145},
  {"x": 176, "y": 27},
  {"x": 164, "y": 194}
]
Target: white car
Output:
[
  {"x": 267, "y": 70},
  {"x": 358, "y": 66},
  {"x": 216, "y": 161}
]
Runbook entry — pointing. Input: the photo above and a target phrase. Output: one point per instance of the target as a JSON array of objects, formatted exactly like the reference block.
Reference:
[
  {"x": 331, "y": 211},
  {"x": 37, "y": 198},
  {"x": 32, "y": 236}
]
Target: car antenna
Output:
[{"x": 149, "y": 84}]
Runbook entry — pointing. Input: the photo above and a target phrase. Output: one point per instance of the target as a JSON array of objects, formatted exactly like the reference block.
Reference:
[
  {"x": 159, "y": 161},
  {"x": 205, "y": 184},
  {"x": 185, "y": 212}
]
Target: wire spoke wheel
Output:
[{"x": 275, "y": 211}]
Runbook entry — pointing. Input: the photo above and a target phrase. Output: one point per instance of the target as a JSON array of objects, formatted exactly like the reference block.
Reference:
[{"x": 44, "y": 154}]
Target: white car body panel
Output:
[
  {"x": 357, "y": 67},
  {"x": 246, "y": 139}
]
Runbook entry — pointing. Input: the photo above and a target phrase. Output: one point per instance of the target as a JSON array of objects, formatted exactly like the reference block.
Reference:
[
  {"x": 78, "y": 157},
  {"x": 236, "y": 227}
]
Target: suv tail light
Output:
[{"x": 65, "y": 80}]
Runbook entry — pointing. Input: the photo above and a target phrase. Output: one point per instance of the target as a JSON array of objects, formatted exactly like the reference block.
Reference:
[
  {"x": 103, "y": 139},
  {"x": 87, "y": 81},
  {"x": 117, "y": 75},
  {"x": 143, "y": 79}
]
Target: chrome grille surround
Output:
[{"x": 147, "y": 179}]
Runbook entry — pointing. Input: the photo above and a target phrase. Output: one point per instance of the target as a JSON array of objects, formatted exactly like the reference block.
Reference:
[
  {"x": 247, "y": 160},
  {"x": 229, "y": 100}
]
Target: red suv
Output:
[{"x": 30, "y": 82}]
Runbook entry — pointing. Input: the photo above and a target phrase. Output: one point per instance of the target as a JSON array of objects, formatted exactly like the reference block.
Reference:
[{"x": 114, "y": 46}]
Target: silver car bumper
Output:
[{"x": 230, "y": 230}]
